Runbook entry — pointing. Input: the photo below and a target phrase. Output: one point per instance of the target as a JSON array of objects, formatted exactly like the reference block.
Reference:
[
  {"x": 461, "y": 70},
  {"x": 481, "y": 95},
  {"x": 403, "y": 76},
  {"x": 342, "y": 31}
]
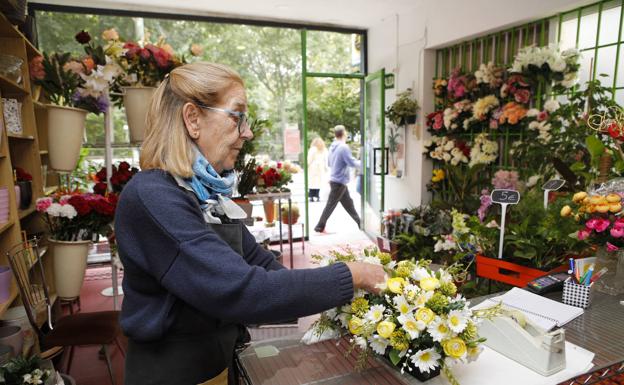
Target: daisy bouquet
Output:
[{"x": 419, "y": 321}]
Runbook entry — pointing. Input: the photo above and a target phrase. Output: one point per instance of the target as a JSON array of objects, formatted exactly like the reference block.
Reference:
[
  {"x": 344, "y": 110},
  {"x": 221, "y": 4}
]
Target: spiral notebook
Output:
[{"x": 544, "y": 312}]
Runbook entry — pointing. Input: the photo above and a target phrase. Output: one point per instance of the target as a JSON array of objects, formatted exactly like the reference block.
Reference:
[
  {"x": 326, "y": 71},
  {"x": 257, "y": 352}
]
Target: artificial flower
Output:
[
  {"x": 455, "y": 347},
  {"x": 385, "y": 329},
  {"x": 438, "y": 175}
]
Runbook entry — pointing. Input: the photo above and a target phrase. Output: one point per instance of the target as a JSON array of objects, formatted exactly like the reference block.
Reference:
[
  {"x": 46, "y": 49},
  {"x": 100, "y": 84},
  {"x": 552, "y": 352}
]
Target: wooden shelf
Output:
[
  {"x": 12, "y": 295},
  {"x": 24, "y": 213},
  {"x": 10, "y": 88},
  {"x": 44, "y": 152},
  {"x": 8, "y": 30},
  {"x": 21, "y": 137},
  {"x": 6, "y": 226}
]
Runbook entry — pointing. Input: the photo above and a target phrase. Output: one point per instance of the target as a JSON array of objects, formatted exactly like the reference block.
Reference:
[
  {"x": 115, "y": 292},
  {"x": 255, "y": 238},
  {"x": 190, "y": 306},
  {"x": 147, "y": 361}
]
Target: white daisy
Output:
[
  {"x": 378, "y": 344},
  {"x": 375, "y": 313},
  {"x": 410, "y": 325},
  {"x": 411, "y": 292},
  {"x": 420, "y": 273},
  {"x": 426, "y": 360},
  {"x": 423, "y": 297},
  {"x": 401, "y": 304},
  {"x": 438, "y": 329},
  {"x": 457, "y": 321}
]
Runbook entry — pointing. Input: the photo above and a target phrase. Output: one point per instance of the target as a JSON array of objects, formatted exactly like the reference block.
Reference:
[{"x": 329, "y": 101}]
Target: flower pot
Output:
[
  {"x": 16, "y": 316},
  {"x": 137, "y": 101},
  {"x": 286, "y": 220},
  {"x": 247, "y": 207},
  {"x": 409, "y": 120},
  {"x": 12, "y": 336},
  {"x": 509, "y": 272},
  {"x": 25, "y": 194},
  {"x": 6, "y": 276},
  {"x": 66, "y": 126},
  {"x": 611, "y": 282},
  {"x": 269, "y": 211},
  {"x": 70, "y": 263}
]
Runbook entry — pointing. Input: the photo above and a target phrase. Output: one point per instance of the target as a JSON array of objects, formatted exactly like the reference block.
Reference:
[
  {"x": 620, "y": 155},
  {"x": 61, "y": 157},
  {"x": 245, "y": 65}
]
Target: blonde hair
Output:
[
  {"x": 167, "y": 144},
  {"x": 319, "y": 144}
]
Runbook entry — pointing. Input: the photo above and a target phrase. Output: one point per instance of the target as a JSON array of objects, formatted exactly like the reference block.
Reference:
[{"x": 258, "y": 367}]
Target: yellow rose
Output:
[
  {"x": 110, "y": 34},
  {"x": 395, "y": 285},
  {"x": 602, "y": 208},
  {"x": 385, "y": 329},
  {"x": 429, "y": 283},
  {"x": 566, "y": 211},
  {"x": 579, "y": 196},
  {"x": 586, "y": 201},
  {"x": 355, "y": 325},
  {"x": 596, "y": 199},
  {"x": 615, "y": 207},
  {"x": 196, "y": 50},
  {"x": 455, "y": 347},
  {"x": 438, "y": 175},
  {"x": 614, "y": 198},
  {"x": 425, "y": 314}
]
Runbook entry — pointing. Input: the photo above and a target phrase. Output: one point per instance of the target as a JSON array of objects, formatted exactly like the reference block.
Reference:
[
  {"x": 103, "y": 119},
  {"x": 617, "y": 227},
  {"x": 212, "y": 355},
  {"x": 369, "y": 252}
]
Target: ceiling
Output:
[{"x": 360, "y": 14}]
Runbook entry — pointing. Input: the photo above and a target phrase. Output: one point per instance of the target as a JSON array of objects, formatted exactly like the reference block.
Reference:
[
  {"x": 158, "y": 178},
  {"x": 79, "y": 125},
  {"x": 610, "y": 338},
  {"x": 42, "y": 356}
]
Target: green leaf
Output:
[
  {"x": 577, "y": 166},
  {"x": 394, "y": 357},
  {"x": 595, "y": 146}
]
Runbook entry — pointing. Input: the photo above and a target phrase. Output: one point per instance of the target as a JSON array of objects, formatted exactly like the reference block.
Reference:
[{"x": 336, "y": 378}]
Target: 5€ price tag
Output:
[{"x": 505, "y": 197}]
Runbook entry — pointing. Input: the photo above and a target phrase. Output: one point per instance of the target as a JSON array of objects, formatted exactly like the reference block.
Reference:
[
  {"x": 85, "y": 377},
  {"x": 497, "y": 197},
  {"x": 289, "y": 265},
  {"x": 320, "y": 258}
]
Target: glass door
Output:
[{"x": 375, "y": 165}]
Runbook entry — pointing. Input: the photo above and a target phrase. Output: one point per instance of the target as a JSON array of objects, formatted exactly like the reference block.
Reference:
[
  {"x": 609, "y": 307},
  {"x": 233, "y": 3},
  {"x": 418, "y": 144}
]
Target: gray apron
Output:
[{"x": 196, "y": 348}]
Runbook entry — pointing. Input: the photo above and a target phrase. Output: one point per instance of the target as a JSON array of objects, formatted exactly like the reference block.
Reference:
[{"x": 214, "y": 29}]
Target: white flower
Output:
[
  {"x": 54, "y": 210},
  {"x": 410, "y": 325},
  {"x": 68, "y": 211},
  {"x": 420, "y": 273},
  {"x": 332, "y": 313},
  {"x": 533, "y": 125},
  {"x": 558, "y": 65},
  {"x": 378, "y": 344},
  {"x": 428, "y": 143},
  {"x": 375, "y": 313},
  {"x": 551, "y": 105},
  {"x": 424, "y": 296},
  {"x": 533, "y": 112},
  {"x": 426, "y": 360},
  {"x": 401, "y": 304},
  {"x": 457, "y": 321},
  {"x": 438, "y": 329},
  {"x": 445, "y": 277},
  {"x": 361, "y": 342},
  {"x": 473, "y": 353},
  {"x": 533, "y": 180}
]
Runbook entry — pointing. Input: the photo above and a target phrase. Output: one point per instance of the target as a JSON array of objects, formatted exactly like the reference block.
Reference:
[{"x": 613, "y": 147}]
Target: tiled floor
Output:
[{"x": 88, "y": 369}]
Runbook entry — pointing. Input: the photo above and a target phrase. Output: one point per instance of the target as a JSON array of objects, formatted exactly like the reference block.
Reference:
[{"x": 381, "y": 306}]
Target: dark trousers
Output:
[
  {"x": 338, "y": 193},
  {"x": 314, "y": 193}
]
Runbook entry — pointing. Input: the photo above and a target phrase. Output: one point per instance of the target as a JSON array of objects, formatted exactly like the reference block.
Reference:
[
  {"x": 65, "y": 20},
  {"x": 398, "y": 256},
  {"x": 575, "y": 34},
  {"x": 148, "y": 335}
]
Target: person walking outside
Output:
[
  {"x": 317, "y": 167},
  {"x": 340, "y": 160}
]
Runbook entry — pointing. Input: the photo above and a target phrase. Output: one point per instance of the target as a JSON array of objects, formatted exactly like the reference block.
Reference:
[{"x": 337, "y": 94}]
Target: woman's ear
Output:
[{"x": 190, "y": 114}]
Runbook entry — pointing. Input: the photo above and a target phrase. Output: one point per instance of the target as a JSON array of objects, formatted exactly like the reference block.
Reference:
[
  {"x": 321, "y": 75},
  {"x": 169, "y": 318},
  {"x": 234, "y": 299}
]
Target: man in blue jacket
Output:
[{"x": 340, "y": 159}]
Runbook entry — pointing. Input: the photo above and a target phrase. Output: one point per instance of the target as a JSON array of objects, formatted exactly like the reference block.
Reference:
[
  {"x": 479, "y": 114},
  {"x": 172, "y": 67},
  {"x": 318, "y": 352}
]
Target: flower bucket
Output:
[
  {"x": 137, "y": 101},
  {"x": 70, "y": 263},
  {"x": 6, "y": 276},
  {"x": 66, "y": 126},
  {"x": 12, "y": 336},
  {"x": 509, "y": 272},
  {"x": 269, "y": 211}
]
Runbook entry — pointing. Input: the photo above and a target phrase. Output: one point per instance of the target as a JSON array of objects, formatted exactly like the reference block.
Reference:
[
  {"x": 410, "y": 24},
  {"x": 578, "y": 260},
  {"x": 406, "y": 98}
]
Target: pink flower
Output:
[
  {"x": 37, "y": 71},
  {"x": 611, "y": 247},
  {"x": 583, "y": 234},
  {"x": 543, "y": 115},
  {"x": 598, "y": 224},
  {"x": 43, "y": 204},
  {"x": 522, "y": 96},
  {"x": 132, "y": 49},
  {"x": 619, "y": 223},
  {"x": 617, "y": 232}
]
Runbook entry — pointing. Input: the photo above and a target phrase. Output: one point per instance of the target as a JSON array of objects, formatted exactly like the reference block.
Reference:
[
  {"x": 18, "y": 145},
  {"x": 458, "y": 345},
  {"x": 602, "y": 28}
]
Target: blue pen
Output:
[
  {"x": 571, "y": 270},
  {"x": 588, "y": 275}
]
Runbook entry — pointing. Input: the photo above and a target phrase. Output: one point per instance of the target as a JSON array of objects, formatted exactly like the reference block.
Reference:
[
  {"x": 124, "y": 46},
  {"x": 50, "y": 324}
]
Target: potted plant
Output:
[
  {"x": 404, "y": 109},
  {"x": 73, "y": 219},
  {"x": 24, "y": 371},
  {"x": 24, "y": 180},
  {"x": 294, "y": 214}
]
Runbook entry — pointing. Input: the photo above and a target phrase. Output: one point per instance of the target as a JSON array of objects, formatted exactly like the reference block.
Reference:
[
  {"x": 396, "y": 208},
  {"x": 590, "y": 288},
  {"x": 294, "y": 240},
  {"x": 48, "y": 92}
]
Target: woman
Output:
[
  {"x": 192, "y": 272},
  {"x": 317, "y": 167}
]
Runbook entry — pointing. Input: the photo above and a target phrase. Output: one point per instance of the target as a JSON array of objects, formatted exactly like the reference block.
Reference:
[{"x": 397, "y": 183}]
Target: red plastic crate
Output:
[{"x": 508, "y": 272}]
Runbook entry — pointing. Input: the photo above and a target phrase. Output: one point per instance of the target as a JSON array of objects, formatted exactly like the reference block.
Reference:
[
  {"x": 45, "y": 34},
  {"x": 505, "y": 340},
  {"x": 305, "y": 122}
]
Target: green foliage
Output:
[
  {"x": 58, "y": 83},
  {"x": 416, "y": 241},
  {"x": 15, "y": 371},
  {"x": 247, "y": 178},
  {"x": 332, "y": 102},
  {"x": 460, "y": 188},
  {"x": 402, "y": 108}
]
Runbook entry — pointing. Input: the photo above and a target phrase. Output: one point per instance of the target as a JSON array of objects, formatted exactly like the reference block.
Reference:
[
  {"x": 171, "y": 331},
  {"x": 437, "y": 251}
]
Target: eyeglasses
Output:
[{"x": 242, "y": 117}]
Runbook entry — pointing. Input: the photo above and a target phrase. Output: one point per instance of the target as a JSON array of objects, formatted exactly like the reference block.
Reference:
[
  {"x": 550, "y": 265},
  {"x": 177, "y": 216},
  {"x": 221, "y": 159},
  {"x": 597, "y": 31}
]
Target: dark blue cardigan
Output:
[{"x": 169, "y": 254}]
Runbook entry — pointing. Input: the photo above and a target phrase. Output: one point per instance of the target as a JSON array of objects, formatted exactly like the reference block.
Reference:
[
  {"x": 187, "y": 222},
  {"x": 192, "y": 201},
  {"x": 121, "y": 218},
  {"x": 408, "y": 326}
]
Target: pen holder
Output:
[{"x": 576, "y": 295}]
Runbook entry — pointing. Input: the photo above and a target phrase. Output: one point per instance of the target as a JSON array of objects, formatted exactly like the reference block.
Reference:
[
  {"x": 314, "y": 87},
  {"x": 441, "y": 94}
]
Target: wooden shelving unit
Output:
[{"x": 19, "y": 150}]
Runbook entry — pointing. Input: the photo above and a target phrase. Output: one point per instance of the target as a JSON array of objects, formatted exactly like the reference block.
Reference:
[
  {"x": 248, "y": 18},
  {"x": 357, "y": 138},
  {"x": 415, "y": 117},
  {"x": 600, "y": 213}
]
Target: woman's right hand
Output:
[{"x": 367, "y": 276}]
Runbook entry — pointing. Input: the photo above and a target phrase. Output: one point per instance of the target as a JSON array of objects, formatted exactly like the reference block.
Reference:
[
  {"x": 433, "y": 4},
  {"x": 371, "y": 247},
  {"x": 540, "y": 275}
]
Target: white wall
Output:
[{"x": 405, "y": 45}]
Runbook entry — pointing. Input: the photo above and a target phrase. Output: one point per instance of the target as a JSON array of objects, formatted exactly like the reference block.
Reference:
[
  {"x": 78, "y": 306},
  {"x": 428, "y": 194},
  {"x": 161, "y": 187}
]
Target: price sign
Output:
[
  {"x": 504, "y": 198},
  {"x": 551, "y": 185},
  {"x": 507, "y": 197}
]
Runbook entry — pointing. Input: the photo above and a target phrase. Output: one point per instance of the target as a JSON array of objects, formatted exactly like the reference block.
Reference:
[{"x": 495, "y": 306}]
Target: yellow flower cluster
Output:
[
  {"x": 610, "y": 203},
  {"x": 438, "y": 175}
]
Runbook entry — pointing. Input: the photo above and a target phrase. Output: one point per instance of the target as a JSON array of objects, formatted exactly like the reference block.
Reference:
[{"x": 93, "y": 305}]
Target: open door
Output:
[{"x": 375, "y": 160}]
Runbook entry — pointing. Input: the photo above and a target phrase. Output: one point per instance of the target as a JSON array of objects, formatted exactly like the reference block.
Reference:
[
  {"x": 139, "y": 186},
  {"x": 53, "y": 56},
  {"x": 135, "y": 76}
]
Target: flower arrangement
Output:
[
  {"x": 599, "y": 218},
  {"x": 447, "y": 150},
  {"x": 460, "y": 85},
  {"x": 78, "y": 216},
  {"x": 274, "y": 177},
  {"x": 483, "y": 151},
  {"x": 419, "y": 321},
  {"x": 490, "y": 75},
  {"x": 146, "y": 65},
  {"x": 549, "y": 63},
  {"x": 121, "y": 174},
  {"x": 24, "y": 371}
]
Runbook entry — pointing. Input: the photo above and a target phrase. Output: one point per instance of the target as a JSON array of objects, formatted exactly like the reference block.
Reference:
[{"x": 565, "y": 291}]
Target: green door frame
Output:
[
  {"x": 304, "y": 91},
  {"x": 381, "y": 74}
]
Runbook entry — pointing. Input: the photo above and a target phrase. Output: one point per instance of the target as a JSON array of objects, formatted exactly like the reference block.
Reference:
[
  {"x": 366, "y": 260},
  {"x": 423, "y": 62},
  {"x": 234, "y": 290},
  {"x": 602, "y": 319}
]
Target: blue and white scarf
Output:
[{"x": 214, "y": 190}]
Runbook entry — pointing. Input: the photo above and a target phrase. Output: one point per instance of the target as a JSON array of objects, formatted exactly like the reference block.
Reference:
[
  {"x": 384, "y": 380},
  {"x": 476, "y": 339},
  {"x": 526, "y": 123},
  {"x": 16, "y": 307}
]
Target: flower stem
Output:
[{"x": 449, "y": 375}]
